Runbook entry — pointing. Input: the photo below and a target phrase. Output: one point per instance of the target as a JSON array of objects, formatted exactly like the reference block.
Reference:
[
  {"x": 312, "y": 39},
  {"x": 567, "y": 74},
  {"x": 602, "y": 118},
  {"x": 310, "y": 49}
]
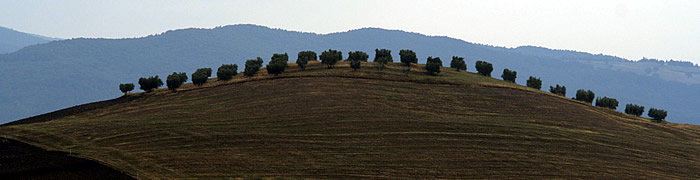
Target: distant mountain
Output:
[
  {"x": 55, "y": 75},
  {"x": 11, "y": 40}
]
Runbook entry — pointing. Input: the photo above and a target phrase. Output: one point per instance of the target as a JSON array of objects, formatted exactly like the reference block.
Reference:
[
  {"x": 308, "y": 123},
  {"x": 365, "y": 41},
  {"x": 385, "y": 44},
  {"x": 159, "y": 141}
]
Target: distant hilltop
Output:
[{"x": 12, "y": 40}]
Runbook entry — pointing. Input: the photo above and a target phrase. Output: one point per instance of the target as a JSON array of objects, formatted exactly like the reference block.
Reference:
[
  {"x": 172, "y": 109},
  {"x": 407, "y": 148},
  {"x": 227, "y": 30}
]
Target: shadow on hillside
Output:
[{"x": 22, "y": 161}]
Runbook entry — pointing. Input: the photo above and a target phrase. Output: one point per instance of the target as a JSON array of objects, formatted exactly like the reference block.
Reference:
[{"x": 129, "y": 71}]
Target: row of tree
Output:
[
  {"x": 588, "y": 96},
  {"x": 330, "y": 57}
]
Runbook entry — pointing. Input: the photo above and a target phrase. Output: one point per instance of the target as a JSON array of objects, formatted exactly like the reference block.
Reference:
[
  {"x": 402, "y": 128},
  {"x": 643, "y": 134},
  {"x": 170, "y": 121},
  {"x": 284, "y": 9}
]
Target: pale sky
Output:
[{"x": 664, "y": 29}]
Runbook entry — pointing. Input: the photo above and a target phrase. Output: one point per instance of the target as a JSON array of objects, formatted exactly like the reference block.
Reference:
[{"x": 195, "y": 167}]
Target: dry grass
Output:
[{"x": 334, "y": 123}]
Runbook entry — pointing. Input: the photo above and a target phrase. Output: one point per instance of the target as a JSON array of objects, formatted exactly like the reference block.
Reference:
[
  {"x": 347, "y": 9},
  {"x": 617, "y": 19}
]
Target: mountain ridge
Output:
[{"x": 13, "y": 40}]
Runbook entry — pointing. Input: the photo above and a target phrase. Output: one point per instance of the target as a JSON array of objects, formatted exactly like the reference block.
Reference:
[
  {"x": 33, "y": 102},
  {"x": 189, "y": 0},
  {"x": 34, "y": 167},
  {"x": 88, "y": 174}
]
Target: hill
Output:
[
  {"x": 335, "y": 123},
  {"x": 12, "y": 40},
  {"x": 47, "y": 77}
]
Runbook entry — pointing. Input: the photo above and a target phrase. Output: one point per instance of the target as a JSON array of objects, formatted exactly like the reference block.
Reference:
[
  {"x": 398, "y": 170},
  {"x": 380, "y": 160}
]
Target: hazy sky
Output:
[{"x": 664, "y": 29}]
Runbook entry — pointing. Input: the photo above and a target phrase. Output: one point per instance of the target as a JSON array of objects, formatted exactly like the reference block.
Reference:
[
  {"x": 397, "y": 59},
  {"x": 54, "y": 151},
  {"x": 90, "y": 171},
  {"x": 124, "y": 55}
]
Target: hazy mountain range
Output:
[
  {"x": 59, "y": 74},
  {"x": 11, "y": 40}
]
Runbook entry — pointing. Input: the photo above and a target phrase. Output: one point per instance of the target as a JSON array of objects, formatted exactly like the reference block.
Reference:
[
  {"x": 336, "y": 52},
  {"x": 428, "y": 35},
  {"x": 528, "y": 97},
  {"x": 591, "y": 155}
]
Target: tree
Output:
[
  {"x": 355, "y": 64},
  {"x": 585, "y": 96},
  {"x": 484, "y": 68},
  {"x": 183, "y": 76},
  {"x": 606, "y": 102},
  {"x": 150, "y": 83},
  {"x": 382, "y": 57},
  {"x": 304, "y": 57},
  {"x": 558, "y": 90},
  {"x": 534, "y": 83},
  {"x": 252, "y": 66},
  {"x": 634, "y": 109},
  {"x": 458, "y": 63},
  {"x": 277, "y": 64},
  {"x": 200, "y": 76},
  {"x": 206, "y": 71},
  {"x": 125, "y": 88},
  {"x": 330, "y": 57},
  {"x": 407, "y": 57},
  {"x": 509, "y": 75},
  {"x": 357, "y": 55},
  {"x": 433, "y": 65},
  {"x": 657, "y": 115},
  {"x": 226, "y": 71},
  {"x": 175, "y": 80}
]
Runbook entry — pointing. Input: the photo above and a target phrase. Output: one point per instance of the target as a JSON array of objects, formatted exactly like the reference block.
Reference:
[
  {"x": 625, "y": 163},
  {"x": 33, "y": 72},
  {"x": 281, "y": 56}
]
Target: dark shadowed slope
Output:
[
  {"x": 59, "y": 74},
  {"x": 339, "y": 124},
  {"x": 22, "y": 161}
]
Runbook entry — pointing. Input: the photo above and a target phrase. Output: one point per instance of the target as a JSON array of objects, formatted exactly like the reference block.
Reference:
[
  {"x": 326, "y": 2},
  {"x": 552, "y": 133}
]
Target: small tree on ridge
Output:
[
  {"x": 226, "y": 71},
  {"x": 484, "y": 68},
  {"x": 150, "y": 83},
  {"x": 125, "y": 88},
  {"x": 558, "y": 90},
  {"x": 509, "y": 75},
  {"x": 304, "y": 57},
  {"x": 330, "y": 57},
  {"x": 277, "y": 64},
  {"x": 382, "y": 57},
  {"x": 407, "y": 57},
  {"x": 433, "y": 65},
  {"x": 175, "y": 80},
  {"x": 657, "y": 115},
  {"x": 200, "y": 76},
  {"x": 458, "y": 63},
  {"x": 252, "y": 66},
  {"x": 606, "y": 102},
  {"x": 634, "y": 109},
  {"x": 534, "y": 83},
  {"x": 585, "y": 96}
]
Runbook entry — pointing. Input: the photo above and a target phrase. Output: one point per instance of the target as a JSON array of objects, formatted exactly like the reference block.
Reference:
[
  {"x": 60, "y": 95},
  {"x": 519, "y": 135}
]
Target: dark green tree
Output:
[
  {"x": 433, "y": 65},
  {"x": 175, "y": 80},
  {"x": 277, "y": 64},
  {"x": 585, "y": 96},
  {"x": 200, "y": 76},
  {"x": 355, "y": 64},
  {"x": 509, "y": 75},
  {"x": 330, "y": 57},
  {"x": 534, "y": 83},
  {"x": 357, "y": 55},
  {"x": 252, "y": 66},
  {"x": 150, "y": 83},
  {"x": 407, "y": 57},
  {"x": 304, "y": 57},
  {"x": 308, "y": 55},
  {"x": 657, "y": 115},
  {"x": 226, "y": 71},
  {"x": 458, "y": 63},
  {"x": 183, "y": 76},
  {"x": 606, "y": 102},
  {"x": 634, "y": 109},
  {"x": 206, "y": 71},
  {"x": 558, "y": 90},
  {"x": 125, "y": 88},
  {"x": 484, "y": 68},
  {"x": 382, "y": 57}
]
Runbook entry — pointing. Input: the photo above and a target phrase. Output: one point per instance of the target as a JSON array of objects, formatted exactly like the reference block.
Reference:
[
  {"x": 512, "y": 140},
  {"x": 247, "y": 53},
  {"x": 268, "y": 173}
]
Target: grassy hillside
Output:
[{"x": 336, "y": 123}]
